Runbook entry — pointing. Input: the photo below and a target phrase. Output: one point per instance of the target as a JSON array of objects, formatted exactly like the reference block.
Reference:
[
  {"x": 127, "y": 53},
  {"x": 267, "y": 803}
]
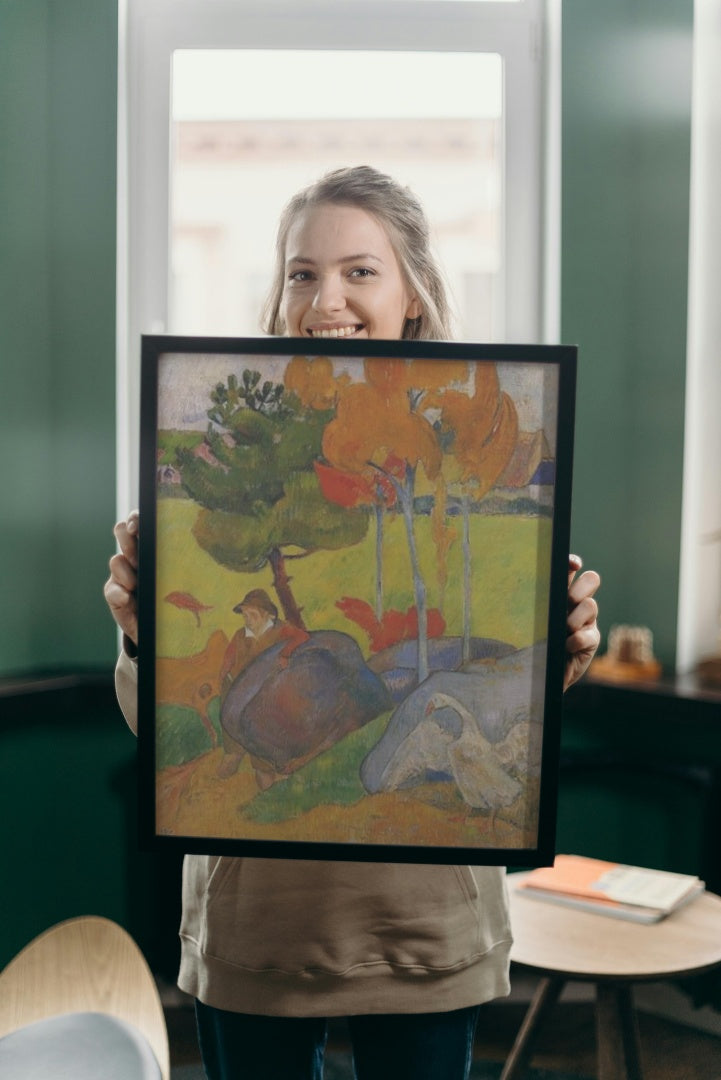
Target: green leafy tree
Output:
[{"x": 254, "y": 480}]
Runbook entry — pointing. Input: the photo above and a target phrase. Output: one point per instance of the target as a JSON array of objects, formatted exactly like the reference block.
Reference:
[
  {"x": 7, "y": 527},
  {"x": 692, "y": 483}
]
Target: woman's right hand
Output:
[{"x": 121, "y": 587}]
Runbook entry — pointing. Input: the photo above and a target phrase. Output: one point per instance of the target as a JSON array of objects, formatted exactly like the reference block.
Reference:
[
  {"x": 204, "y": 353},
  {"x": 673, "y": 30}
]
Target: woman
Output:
[{"x": 271, "y": 948}]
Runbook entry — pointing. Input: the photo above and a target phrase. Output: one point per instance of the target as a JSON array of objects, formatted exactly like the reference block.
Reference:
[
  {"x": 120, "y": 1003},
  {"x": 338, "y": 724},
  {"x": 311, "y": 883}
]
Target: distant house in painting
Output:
[
  {"x": 167, "y": 474},
  {"x": 531, "y": 451},
  {"x": 203, "y": 451},
  {"x": 531, "y": 470}
]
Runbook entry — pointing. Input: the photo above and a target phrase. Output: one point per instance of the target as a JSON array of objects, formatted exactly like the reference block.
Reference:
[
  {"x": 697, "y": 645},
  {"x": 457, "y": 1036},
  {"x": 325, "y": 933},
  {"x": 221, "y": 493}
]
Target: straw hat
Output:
[{"x": 257, "y": 598}]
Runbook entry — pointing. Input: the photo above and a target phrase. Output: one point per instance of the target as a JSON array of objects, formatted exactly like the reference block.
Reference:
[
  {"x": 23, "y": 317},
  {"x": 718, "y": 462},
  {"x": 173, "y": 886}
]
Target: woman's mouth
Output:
[{"x": 335, "y": 331}]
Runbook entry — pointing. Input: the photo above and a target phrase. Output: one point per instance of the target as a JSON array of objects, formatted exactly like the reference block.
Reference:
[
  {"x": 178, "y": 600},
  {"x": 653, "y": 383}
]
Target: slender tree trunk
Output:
[
  {"x": 406, "y": 500},
  {"x": 379, "y": 560},
  {"x": 466, "y": 544},
  {"x": 281, "y": 584}
]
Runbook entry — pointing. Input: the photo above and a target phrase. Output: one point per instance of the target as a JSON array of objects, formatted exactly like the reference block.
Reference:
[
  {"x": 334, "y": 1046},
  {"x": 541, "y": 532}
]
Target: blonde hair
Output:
[{"x": 403, "y": 217}]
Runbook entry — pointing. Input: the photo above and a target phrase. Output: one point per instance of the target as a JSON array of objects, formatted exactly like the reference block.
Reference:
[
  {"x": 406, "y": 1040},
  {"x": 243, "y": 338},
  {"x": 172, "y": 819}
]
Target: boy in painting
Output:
[
  {"x": 261, "y": 630},
  {"x": 271, "y": 948}
]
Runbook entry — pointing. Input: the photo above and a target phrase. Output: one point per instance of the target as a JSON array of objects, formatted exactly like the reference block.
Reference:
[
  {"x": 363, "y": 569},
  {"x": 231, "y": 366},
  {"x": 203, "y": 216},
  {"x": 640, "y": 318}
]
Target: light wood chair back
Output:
[{"x": 87, "y": 964}]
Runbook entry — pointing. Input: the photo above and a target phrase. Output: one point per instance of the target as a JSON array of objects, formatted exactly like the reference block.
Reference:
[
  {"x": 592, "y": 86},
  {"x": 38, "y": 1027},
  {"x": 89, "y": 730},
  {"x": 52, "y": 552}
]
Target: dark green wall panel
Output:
[
  {"x": 58, "y": 78},
  {"x": 626, "y": 146},
  {"x": 26, "y": 397},
  {"x": 69, "y": 802}
]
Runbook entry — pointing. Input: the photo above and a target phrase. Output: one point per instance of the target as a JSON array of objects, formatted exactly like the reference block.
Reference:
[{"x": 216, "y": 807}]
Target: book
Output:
[{"x": 608, "y": 888}]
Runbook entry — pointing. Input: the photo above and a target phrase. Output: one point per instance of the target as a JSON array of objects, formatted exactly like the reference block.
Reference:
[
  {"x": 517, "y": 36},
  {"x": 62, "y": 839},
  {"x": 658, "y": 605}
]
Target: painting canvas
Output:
[{"x": 352, "y": 597}]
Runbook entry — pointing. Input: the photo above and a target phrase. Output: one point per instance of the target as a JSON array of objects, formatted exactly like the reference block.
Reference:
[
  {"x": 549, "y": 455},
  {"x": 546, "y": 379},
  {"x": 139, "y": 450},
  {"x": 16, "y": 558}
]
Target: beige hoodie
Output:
[{"x": 284, "y": 937}]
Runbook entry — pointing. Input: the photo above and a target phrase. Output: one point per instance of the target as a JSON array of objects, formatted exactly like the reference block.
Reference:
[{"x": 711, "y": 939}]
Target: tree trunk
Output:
[
  {"x": 465, "y": 503},
  {"x": 281, "y": 584},
  {"x": 379, "y": 560},
  {"x": 405, "y": 494}
]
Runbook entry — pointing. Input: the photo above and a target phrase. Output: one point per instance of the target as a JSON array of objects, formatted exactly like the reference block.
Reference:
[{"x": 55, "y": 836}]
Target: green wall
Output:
[
  {"x": 66, "y": 759},
  {"x": 58, "y": 73},
  {"x": 625, "y": 200},
  {"x": 69, "y": 806}
]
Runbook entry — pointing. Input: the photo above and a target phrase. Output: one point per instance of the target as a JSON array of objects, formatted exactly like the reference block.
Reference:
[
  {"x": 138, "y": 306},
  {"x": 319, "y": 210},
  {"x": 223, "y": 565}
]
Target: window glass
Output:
[{"x": 251, "y": 127}]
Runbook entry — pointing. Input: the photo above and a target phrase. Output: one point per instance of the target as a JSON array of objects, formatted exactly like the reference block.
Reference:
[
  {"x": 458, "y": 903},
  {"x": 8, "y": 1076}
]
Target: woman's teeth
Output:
[{"x": 337, "y": 331}]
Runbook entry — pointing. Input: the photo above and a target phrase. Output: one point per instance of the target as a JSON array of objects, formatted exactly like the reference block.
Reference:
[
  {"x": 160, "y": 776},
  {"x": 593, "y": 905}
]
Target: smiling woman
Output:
[
  {"x": 331, "y": 292},
  {"x": 353, "y": 259}
]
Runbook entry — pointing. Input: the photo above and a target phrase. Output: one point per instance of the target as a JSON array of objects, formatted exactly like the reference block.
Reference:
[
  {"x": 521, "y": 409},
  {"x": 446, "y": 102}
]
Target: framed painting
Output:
[{"x": 352, "y": 597}]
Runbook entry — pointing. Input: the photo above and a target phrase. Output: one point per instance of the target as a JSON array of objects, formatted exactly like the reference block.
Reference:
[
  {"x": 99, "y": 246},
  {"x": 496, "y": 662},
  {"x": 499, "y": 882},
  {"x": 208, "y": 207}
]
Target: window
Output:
[
  {"x": 237, "y": 157},
  {"x": 227, "y": 107}
]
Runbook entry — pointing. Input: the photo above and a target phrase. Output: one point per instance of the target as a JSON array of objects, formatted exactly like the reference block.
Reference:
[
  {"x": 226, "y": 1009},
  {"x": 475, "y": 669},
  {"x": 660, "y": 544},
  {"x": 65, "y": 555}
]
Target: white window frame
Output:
[
  {"x": 526, "y": 34},
  {"x": 699, "y": 598}
]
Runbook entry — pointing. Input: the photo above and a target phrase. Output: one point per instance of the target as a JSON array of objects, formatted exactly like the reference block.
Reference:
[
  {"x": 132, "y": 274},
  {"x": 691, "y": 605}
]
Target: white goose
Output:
[
  {"x": 514, "y": 750},
  {"x": 474, "y": 762}
]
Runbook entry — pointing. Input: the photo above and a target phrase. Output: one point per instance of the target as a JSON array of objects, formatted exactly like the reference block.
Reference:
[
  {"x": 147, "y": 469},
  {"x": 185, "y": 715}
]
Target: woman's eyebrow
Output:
[{"x": 361, "y": 257}]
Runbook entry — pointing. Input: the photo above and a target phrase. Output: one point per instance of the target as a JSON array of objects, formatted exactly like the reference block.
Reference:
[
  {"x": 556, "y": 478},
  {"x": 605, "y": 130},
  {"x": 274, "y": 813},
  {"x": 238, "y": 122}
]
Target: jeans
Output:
[{"x": 414, "y": 1046}]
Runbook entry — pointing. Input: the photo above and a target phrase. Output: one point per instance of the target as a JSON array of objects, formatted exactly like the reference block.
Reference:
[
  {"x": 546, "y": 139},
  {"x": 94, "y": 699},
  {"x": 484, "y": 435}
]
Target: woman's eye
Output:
[
  {"x": 362, "y": 272},
  {"x": 300, "y": 276}
]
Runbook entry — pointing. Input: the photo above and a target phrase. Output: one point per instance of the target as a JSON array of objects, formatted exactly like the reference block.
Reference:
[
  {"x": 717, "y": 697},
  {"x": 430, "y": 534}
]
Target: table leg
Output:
[
  {"x": 617, "y": 1033},
  {"x": 545, "y": 997}
]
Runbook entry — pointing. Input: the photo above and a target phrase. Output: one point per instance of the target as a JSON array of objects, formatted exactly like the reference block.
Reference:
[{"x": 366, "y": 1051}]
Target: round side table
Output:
[{"x": 563, "y": 944}]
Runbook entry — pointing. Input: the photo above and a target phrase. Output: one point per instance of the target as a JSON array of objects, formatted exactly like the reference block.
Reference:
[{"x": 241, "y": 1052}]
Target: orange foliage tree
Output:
[
  {"x": 379, "y": 422},
  {"x": 448, "y": 420},
  {"x": 352, "y": 490},
  {"x": 480, "y": 432}
]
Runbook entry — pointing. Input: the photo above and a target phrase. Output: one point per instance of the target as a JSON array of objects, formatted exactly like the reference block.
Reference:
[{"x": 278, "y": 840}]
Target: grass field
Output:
[
  {"x": 325, "y": 799},
  {"x": 510, "y": 559}
]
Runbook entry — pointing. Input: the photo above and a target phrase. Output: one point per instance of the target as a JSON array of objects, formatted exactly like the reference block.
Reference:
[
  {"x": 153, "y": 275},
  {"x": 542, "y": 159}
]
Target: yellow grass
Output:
[
  {"x": 509, "y": 601},
  {"x": 509, "y": 604},
  {"x": 195, "y": 802}
]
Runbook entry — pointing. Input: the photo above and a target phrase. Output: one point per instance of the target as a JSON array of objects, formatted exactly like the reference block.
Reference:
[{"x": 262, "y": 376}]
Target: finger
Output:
[
  {"x": 575, "y": 563},
  {"x": 121, "y": 603},
  {"x": 583, "y": 641},
  {"x": 118, "y": 598},
  {"x": 582, "y": 618},
  {"x": 123, "y": 573},
  {"x": 123, "y": 608},
  {"x": 585, "y": 585},
  {"x": 583, "y": 614},
  {"x": 126, "y": 534}
]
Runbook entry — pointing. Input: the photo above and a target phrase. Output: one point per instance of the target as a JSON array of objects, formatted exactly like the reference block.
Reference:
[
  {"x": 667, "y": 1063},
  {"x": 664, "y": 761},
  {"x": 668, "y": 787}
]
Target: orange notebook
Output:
[{"x": 631, "y": 892}]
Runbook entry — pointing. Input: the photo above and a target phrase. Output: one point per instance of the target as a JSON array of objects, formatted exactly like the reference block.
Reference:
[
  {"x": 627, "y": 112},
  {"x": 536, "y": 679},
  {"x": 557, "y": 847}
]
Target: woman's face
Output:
[{"x": 342, "y": 277}]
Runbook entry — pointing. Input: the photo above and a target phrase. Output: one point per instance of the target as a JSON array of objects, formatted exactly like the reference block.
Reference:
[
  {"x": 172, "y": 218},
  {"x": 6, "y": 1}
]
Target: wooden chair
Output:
[{"x": 83, "y": 985}]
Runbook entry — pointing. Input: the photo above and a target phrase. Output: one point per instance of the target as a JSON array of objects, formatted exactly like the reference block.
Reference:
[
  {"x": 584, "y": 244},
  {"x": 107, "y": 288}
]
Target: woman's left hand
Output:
[{"x": 582, "y": 633}]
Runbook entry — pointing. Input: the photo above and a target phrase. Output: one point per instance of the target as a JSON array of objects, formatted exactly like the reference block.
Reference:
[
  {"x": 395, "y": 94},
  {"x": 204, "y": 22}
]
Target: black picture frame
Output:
[{"x": 353, "y": 572}]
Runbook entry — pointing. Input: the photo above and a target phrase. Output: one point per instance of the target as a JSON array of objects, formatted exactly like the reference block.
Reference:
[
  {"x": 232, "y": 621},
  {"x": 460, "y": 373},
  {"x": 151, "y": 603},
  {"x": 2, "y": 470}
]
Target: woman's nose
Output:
[{"x": 329, "y": 296}]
